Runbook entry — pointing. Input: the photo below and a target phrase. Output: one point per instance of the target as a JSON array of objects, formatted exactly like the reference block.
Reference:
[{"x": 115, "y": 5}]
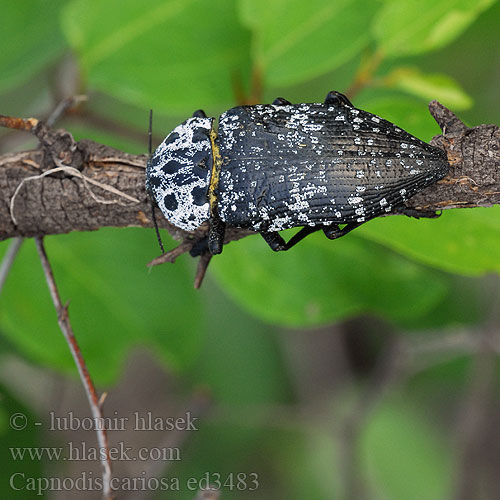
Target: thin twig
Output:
[
  {"x": 171, "y": 255},
  {"x": 203, "y": 262},
  {"x": 65, "y": 325},
  {"x": 8, "y": 259},
  {"x": 27, "y": 125},
  {"x": 63, "y": 107}
]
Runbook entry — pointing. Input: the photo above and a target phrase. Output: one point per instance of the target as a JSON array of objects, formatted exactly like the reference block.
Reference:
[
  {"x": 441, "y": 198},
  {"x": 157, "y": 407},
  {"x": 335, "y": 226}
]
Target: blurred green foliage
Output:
[{"x": 180, "y": 55}]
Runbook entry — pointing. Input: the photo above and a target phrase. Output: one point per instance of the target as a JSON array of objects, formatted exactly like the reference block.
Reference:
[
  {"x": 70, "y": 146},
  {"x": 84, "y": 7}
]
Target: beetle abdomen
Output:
[{"x": 307, "y": 164}]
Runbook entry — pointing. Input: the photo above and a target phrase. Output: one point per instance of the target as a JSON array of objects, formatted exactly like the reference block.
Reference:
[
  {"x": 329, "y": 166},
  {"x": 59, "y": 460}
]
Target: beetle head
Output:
[{"x": 178, "y": 173}]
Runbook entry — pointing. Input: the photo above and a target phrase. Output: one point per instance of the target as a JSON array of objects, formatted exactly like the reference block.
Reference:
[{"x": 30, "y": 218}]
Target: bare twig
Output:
[
  {"x": 65, "y": 325},
  {"x": 55, "y": 205},
  {"x": 8, "y": 259},
  {"x": 171, "y": 255},
  {"x": 26, "y": 125},
  {"x": 63, "y": 106},
  {"x": 202, "y": 269}
]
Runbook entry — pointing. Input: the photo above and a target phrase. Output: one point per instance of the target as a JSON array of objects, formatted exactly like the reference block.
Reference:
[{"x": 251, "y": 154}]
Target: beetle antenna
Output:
[
  {"x": 151, "y": 199},
  {"x": 150, "y": 134}
]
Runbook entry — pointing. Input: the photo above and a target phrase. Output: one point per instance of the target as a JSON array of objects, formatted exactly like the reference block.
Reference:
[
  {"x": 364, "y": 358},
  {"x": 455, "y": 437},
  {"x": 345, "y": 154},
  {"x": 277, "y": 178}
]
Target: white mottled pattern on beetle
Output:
[
  {"x": 172, "y": 178},
  {"x": 294, "y": 165}
]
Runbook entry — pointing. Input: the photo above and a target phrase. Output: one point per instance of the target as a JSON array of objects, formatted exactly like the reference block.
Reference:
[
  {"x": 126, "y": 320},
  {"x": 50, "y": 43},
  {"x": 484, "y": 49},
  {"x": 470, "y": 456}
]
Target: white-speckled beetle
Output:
[{"x": 272, "y": 167}]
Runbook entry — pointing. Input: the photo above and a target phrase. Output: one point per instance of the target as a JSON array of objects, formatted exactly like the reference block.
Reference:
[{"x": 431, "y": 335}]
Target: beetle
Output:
[{"x": 268, "y": 167}]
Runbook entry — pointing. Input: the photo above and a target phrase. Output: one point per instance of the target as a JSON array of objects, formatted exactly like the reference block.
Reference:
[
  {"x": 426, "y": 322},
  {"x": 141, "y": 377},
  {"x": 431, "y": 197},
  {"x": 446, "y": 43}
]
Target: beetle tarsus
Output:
[
  {"x": 334, "y": 98},
  {"x": 333, "y": 232},
  {"x": 280, "y": 101},
  {"x": 278, "y": 244},
  {"x": 274, "y": 240}
]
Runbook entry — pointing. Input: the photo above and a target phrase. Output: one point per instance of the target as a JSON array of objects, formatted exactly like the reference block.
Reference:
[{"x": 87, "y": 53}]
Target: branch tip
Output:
[
  {"x": 26, "y": 124},
  {"x": 171, "y": 255},
  {"x": 448, "y": 121},
  {"x": 203, "y": 262}
]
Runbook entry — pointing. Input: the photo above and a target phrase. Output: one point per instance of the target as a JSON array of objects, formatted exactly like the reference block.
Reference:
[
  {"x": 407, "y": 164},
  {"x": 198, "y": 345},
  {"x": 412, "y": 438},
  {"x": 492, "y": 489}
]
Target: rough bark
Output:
[{"x": 64, "y": 201}]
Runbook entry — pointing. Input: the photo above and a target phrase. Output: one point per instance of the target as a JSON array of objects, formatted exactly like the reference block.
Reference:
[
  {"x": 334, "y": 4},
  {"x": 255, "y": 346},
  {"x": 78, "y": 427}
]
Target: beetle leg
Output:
[
  {"x": 274, "y": 240},
  {"x": 278, "y": 244},
  {"x": 216, "y": 235},
  {"x": 279, "y": 101},
  {"x": 305, "y": 231},
  {"x": 334, "y": 98},
  {"x": 418, "y": 214},
  {"x": 199, "y": 113},
  {"x": 199, "y": 247},
  {"x": 333, "y": 232}
]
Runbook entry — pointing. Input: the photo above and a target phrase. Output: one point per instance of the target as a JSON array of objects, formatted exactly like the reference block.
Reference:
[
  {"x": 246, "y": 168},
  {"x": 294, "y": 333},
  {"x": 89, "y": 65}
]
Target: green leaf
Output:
[
  {"x": 312, "y": 450},
  {"x": 416, "y": 26},
  {"x": 465, "y": 241},
  {"x": 176, "y": 54},
  {"x": 115, "y": 302},
  {"x": 235, "y": 343},
  {"x": 31, "y": 437},
  {"x": 404, "y": 456},
  {"x": 435, "y": 86},
  {"x": 320, "y": 281},
  {"x": 296, "y": 41},
  {"x": 31, "y": 38},
  {"x": 463, "y": 305}
]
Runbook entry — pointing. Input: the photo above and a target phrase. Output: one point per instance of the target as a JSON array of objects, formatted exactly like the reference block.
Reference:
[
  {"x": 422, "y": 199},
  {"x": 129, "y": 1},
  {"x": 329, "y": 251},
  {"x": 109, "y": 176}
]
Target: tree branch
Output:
[{"x": 93, "y": 185}]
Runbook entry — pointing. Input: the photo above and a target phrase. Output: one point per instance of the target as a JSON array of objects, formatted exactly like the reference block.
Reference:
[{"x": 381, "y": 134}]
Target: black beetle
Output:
[{"x": 272, "y": 167}]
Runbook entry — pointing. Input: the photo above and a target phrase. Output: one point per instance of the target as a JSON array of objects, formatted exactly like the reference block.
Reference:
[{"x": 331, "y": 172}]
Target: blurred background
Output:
[{"x": 365, "y": 368}]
